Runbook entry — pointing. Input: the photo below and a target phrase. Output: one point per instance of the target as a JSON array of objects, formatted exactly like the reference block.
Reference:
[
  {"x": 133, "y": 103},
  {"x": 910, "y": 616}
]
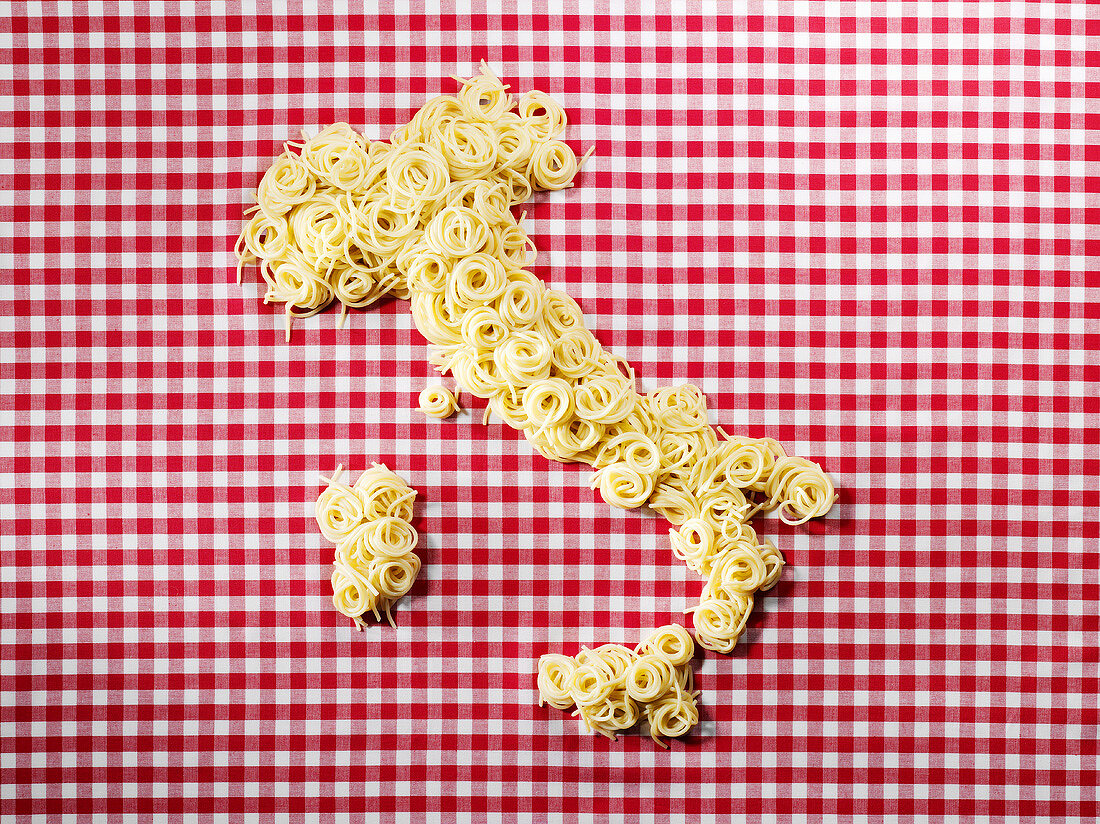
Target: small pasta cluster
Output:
[
  {"x": 438, "y": 402},
  {"x": 370, "y": 523},
  {"x": 337, "y": 216},
  {"x": 614, "y": 687}
]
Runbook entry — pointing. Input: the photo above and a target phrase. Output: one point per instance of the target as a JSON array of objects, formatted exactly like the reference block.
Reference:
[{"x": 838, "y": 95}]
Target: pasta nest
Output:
[{"x": 370, "y": 523}]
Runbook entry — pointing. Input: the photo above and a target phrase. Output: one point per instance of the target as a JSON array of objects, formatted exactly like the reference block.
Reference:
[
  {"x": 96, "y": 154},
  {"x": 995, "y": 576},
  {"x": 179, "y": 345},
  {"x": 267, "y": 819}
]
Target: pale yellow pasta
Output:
[
  {"x": 575, "y": 353},
  {"x": 508, "y": 406},
  {"x": 348, "y": 168},
  {"x": 614, "y": 658},
  {"x": 800, "y": 489},
  {"x": 693, "y": 543},
  {"x": 490, "y": 199},
  {"x": 552, "y": 166},
  {"x": 265, "y": 236},
  {"x": 338, "y": 156},
  {"x": 681, "y": 451},
  {"x": 374, "y": 564},
  {"x": 566, "y": 442},
  {"x": 595, "y": 720},
  {"x": 615, "y": 713},
  {"x": 631, "y": 448},
  {"x": 287, "y": 183},
  {"x": 428, "y": 272},
  {"x": 649, "y": 677},
  {"x": 476, "y": 372},
  {"x": 355, "y": 549},
  {"x": 719, "y": 622},
  {"x": 484, "y": 97},
  {"x": 770, "y": 450},
  {"x": 438, "y": 402},
  {"x": 671, "y": 642},
  {"x": 357, "y": 288},
  {"x": 738, "y": 569},
  {"x": 680, "y": 408},
  {"x": 428, "y": 217},
  {"x": 674, "y": 504},
  {"x": 623, "y": 486},
  {"x": 543, "y": 116},
  {"x": 390, "y": 537},
  {"x": 383, "y": 493},
  {"x": 622, "y": 711},
  {"x": 547, "y": 402},
  {"x": 604, "y": 398},
  {"x": 672, "y": 716},
  {"x": 384, "y": 227},
  {"x": 744, "y": 465},
  {"x": 521, "y": 303},
  {"x": 470, "y": 149},
  {"x": 339, "y": 510},
  {"x": 613, "y": 685},
  {"x": 518, "y": 185},
  {"x": 773, "y": 565},
  {"x": 560, "y": 313},
  {"x": 416, "y": 172},
  {"x": 524, "y": 358},
  {"x": 590, "y": 684},
  {"x": 476, "y": 281},
  {"x": 515, "y": 249},
  {"x": 640, "y": 419},
  {"x": 294, "y": 283},
  {"x": 352, "y": 595},
  {"x": 555, "y": 674},
  {"x": 394, "y": 576},
  {"x": 483, "y": 330},
  {"x": 722, "y": 504},
  {"x": 732, "y": 529},
  {"x": 432, "y": 115},
  {"x": 435, "y": 319},
  {"x": 457, "y": 232},
  {"x": 515, "y": 144}
]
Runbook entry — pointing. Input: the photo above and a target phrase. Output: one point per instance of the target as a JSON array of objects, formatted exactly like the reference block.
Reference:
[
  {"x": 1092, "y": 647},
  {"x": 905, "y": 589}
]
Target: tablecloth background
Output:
[{"x": 867, "y": 230}]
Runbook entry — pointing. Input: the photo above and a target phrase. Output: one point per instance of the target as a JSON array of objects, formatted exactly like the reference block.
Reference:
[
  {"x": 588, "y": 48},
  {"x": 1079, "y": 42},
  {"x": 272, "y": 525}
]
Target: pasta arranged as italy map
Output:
[{"x": 428, "y": 217}]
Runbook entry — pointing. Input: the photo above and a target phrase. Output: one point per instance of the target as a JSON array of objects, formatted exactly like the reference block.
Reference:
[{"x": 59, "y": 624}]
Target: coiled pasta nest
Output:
[
  {"x": 370, "y": 524},
  {"x": 614, "y": 687}
]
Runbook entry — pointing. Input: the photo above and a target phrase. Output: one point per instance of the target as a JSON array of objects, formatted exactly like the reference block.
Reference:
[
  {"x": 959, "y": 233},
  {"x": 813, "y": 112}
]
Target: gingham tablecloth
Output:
[{"x": 867, "y": 230}]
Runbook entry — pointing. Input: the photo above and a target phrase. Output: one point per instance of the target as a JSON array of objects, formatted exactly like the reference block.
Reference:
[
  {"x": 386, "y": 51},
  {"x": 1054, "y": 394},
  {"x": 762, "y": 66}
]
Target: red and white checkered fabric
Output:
[{"x": 867, "y": 230}]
